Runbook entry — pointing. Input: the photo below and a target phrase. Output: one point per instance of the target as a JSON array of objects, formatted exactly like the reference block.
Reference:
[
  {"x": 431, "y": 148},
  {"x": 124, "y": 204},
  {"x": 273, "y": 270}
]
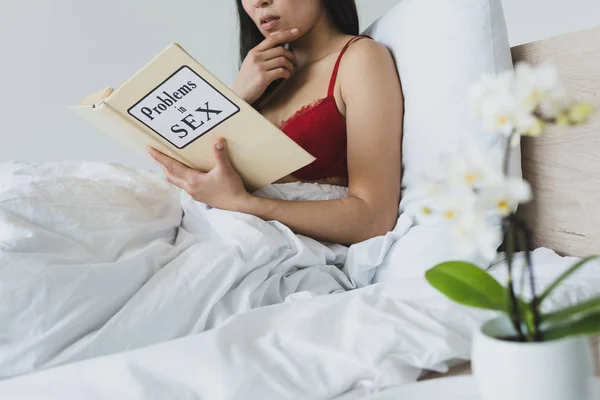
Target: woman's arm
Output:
[
  {"x": 374, "y": 108},
  {"x": 345, "y": 221},
  {"x": 373, "y": 104}
]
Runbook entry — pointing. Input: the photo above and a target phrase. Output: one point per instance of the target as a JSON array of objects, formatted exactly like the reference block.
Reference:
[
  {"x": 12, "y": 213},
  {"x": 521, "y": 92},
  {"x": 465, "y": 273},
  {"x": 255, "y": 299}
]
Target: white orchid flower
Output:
[
  {"x": 527, "y": 124},
  {"x": 499, "y": 112},
  {"x": 534, "y": 85},
  {"x": 445, "y": 205},
  {"x": 456, "y": 203},
  {"x": 522, "y": 100},
  {"x": 556, "y": 102},
  {"x": 472, "y": 166},
  {"x": 426, "y": 195},
  {"x": 425, "y": 212},
  {"x": 488, "y": 89},
  {"x": 540, "y": 90},
  {"x": 475, "y": 233},
  {"x": 470, "y": 193},
  {"x": 505, "y": 196}
]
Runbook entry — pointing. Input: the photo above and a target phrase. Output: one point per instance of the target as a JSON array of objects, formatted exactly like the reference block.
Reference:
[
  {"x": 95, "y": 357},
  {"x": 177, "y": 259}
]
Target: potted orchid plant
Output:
[{"x": 525, "y": 353}]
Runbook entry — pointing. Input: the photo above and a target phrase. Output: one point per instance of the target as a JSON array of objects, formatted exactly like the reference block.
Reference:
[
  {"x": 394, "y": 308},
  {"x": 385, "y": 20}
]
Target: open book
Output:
[{"x": 176, "y": 106}]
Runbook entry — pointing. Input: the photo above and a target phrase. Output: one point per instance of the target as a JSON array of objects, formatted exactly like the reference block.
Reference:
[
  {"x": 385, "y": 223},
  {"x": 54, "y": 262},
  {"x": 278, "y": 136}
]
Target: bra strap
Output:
[{"x": 339, "y": 60}]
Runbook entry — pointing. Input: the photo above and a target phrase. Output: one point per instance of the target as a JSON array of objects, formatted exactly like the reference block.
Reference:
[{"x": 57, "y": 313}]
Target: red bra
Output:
[{"x": 321, "y": 130}]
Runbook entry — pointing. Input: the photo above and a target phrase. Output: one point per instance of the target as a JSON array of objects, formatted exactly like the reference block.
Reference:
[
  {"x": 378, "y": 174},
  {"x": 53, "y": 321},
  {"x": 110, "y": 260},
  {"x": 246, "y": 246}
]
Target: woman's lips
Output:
[{"x": 269, "y": 25}]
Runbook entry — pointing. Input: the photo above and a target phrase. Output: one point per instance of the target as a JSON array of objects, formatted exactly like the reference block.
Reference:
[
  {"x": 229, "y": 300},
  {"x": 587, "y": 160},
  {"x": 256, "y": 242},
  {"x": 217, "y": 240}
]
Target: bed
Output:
[{"x": 145, "y": 294}]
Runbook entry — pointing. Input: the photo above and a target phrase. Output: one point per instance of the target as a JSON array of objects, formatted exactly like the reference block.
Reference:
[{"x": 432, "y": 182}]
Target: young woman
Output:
[{"x": 335, "y": 93}]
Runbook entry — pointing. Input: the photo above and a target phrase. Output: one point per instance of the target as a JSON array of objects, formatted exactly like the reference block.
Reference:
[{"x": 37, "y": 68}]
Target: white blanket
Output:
[{"x": 97, "y": 260}]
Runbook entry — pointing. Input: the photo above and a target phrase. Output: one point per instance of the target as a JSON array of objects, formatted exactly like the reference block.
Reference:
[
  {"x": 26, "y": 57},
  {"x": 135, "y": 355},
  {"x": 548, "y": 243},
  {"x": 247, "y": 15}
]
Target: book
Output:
[{"x": 178, "y": 107}]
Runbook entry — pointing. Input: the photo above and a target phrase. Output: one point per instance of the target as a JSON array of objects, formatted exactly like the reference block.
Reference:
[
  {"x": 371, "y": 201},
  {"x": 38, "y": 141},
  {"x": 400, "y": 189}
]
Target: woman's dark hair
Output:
[{"x": 343, "y": 13}]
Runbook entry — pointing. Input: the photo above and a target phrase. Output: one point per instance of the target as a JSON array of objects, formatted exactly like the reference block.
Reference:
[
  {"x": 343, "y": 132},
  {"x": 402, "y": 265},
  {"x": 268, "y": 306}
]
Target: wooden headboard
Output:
[{"x": 564, "y": 167}]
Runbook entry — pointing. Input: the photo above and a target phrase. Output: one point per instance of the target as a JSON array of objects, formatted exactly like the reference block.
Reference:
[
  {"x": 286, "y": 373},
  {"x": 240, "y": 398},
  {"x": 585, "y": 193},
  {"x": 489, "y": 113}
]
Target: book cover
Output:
[{"x": 178, "y": 107}]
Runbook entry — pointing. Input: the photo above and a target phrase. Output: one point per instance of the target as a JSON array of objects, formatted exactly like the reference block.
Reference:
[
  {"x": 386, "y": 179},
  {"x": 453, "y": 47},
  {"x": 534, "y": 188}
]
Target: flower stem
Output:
[
  {"x": 525, "y": 239},
  {"x": 507, "y": 153},
  {"x": 510, "y": 251}
]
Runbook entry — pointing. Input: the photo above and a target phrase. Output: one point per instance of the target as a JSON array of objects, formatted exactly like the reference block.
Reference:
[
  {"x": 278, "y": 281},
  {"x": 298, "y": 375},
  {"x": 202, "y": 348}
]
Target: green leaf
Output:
[
  {"x": 572, "y": 312},
  {"x": 564, "y": 276},
  {"x": 587, "y": 325},
  {"x": 468, "y": 284}
]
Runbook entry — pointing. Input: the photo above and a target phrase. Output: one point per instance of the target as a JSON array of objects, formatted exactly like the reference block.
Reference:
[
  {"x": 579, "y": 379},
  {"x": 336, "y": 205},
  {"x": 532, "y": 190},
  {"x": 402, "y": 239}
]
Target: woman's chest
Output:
[{"x": 302, "y": 92}]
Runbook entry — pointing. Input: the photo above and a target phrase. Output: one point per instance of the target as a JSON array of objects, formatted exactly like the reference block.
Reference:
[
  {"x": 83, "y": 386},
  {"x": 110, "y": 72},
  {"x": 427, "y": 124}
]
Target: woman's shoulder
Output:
[
  {"x": 368, "y": 73},
  {"x": 366, "y": 56},
  {"x": 365, "y": 44}
]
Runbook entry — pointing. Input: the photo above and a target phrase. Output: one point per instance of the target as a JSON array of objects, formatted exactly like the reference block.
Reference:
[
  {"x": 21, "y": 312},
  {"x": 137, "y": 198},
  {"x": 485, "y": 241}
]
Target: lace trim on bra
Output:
[{"x": 303, "y": 110}]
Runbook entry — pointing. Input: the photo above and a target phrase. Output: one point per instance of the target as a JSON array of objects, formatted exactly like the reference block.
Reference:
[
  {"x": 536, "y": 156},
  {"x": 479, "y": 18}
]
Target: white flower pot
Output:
[{"x": 554, "y": 370}]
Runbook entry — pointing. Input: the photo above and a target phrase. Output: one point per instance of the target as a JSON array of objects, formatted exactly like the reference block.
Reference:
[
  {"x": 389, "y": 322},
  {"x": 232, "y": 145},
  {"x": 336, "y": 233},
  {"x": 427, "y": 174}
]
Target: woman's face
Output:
[{"x": 276, "y": 15}]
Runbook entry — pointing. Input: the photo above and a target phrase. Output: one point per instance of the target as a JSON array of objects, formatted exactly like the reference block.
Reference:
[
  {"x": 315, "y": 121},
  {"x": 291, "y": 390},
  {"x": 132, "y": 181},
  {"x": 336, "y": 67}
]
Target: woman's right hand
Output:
[{"x": 264, "y": 64}]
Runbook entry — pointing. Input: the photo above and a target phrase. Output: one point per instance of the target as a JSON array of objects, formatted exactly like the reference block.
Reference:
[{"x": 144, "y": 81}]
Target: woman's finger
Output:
[
  {"x": 278, "y": 73},
  {"x": 175, "y": 180},
  {"x": 277, "y": 38},
  {"x": 174, "y": 168},
  {"x": 221, "y": 155},
  {"x": 280, "y": 62},
  {"x": 276, "y": 52}
]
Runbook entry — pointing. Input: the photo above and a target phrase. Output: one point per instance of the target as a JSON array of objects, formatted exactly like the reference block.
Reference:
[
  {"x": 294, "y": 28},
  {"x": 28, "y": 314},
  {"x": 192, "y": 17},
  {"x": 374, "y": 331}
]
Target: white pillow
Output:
[{"x": 441, "y": 47}]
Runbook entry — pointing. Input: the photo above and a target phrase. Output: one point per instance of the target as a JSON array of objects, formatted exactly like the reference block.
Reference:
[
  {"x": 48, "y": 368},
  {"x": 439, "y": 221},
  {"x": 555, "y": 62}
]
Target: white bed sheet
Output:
[{"x": 225, "y": 306}]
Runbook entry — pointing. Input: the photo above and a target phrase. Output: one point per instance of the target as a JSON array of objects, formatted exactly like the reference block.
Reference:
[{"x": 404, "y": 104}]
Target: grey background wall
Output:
[{"x": 54, "y": 52}]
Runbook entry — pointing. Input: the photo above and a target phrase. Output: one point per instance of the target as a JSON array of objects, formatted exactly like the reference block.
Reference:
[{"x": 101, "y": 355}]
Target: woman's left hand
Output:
[{"x": 221, "y": 188}]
